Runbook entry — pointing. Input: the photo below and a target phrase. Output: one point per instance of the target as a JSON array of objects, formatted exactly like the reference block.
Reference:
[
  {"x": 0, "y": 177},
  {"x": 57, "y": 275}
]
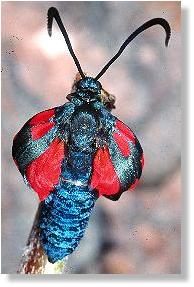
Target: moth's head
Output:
[
  {"x": 89, "y": 85},
  {"x": 89, "y": 90}
]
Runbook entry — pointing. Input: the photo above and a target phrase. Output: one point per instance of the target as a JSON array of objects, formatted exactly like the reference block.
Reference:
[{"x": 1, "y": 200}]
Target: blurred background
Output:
[{"x": 140, "y": 233}]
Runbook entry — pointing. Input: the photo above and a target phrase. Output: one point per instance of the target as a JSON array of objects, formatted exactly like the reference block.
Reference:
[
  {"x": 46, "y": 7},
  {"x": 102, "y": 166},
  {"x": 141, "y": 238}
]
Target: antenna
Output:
[
  {"x": 53, "y": 13},
  {"x": 156, "y": 21}
]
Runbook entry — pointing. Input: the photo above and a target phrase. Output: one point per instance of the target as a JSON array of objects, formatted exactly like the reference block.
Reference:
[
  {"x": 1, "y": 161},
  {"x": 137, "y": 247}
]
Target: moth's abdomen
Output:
[{"x": 63, "y": 220}]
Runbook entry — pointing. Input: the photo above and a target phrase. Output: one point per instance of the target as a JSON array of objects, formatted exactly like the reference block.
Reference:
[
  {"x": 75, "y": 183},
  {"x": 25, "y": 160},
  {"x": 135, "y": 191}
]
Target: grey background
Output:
[{"x": 139, "y": 234}]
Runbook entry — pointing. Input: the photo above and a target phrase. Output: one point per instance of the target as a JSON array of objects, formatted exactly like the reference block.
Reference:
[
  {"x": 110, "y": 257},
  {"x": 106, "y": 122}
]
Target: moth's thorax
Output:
[{"x": 83, "y": 128}]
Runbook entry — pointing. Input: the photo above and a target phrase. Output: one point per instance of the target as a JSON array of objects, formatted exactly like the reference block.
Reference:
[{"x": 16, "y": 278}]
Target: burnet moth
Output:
[{"x": 73, "y": 154}]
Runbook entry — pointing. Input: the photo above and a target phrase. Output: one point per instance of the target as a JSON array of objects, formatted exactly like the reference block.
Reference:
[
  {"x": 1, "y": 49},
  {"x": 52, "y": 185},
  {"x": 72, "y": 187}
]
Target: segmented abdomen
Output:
[{"x": 63, "y": 220}]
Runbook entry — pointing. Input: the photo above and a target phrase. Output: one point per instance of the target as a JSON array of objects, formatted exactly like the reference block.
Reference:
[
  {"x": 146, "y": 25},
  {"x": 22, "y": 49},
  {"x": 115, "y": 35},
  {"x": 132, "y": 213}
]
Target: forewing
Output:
[
  {"x": 39, "y": 148},
  {"x": 117, "y": 165}
]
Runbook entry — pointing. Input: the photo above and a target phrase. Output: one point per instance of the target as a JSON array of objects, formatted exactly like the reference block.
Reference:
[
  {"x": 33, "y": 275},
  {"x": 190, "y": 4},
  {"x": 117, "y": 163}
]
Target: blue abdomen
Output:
[
  {"x": 63, "y": 220},
  {"x": 65, "y": 212}
]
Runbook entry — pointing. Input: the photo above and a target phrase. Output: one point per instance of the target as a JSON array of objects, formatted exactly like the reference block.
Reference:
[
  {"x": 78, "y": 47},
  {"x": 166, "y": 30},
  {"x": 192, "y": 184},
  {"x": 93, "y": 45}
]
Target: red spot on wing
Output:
[
  {"x": 42, "y": 117},
  {"x": 125, "y": 130},
  {"x": 142, "y": 161},
  {"x": 40, "y": 130},
  {"x": 133, "y": 186},
  {"x": 122, "y": 144},
  {"x": 104, "y": 177},
  {"x": 43, "y": 173}
]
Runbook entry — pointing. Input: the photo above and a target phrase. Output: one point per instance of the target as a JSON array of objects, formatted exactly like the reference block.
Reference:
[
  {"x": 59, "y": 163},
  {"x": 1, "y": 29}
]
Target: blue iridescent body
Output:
[
  {"x": 65, "y": 213},
  {"x": 94, "y": 154},
  {"x": 63, "y": 220}
]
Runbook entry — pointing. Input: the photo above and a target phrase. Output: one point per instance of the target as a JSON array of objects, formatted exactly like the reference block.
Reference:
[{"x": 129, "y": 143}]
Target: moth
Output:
[{"x": 72, "y": 154}]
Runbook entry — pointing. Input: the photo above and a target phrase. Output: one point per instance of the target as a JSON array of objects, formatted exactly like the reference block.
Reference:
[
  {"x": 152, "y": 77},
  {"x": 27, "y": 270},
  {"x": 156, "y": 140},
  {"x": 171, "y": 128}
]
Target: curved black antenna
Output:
[
  {"x": 53, "y": 13},
  {"x": 146, "y": 25}
]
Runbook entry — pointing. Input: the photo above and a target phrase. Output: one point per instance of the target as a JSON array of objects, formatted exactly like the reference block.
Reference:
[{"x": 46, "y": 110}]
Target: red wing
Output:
[
  {"x": 41, "y": 123},
  {"x": 39, "y": 148},
  {"x": 104, "y": 178},
  {"x": 118, "y": 165},
  {"x": 44, "y": 172}
]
